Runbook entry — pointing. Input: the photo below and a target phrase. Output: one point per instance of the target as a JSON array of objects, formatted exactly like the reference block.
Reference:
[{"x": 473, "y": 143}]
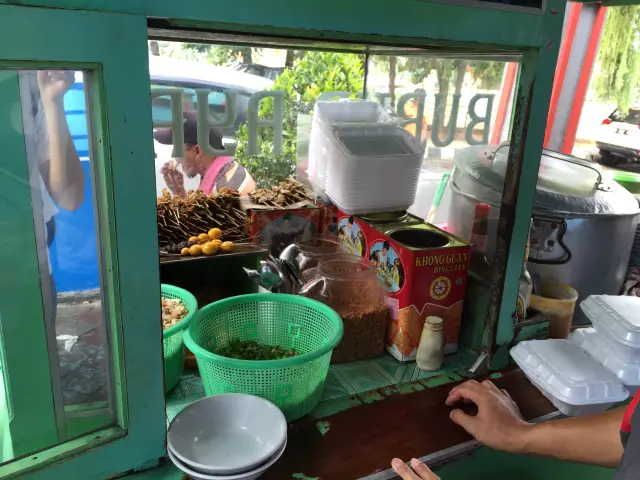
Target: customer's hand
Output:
[
  {"x": 498, "y": 423},
  {"x": 418, "y": 470},
  {"x": 54, "y": 84},
  {"x": 173, "y": 178}
]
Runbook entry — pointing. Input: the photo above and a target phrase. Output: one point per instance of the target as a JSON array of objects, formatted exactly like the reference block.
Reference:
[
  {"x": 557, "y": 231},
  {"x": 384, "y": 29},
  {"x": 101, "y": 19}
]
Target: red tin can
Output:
[{"x": 424, "y": 270}]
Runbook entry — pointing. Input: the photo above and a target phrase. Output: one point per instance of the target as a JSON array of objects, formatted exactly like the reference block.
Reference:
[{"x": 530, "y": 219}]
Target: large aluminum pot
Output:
[{"x": 582, "y": 240}]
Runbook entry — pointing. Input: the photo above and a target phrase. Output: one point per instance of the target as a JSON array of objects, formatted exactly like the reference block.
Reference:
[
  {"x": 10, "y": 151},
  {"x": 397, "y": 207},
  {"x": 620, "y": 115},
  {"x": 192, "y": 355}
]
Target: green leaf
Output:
[{"x": 311, "y": 75}]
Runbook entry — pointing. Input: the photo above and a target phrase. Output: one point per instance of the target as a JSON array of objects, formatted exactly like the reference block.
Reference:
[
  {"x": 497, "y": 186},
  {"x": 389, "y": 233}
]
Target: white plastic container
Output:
[
  {"x": 592, "y": 342},
  {"x": 350, "y": 111},
  {"x": 372, "y": 168},
  {"x": 568, "y": 377},
  {"x": 327, "y": 115},
  {"x": 617, "y": 318}
]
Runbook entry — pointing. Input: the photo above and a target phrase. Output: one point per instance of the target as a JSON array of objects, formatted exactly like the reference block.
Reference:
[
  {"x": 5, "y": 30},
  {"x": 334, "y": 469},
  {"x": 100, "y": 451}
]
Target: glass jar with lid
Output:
[
  {"x": 350, "y": 286},
  {"x": 308, "y": 252}
]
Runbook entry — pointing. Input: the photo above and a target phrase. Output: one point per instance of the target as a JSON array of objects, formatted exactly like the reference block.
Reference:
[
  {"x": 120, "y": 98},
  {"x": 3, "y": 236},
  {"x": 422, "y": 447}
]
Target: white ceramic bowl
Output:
[
  {"x": 252, "y": 475},
  {"x": 227, "y": 434}
]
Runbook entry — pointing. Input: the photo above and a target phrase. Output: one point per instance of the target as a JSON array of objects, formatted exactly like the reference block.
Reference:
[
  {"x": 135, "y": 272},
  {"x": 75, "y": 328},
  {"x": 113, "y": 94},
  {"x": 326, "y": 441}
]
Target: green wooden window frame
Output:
[
  {"x": 111, "y": 36},
  {"x": 409, "y": 22},
  {"x": 113, "y": 47}
]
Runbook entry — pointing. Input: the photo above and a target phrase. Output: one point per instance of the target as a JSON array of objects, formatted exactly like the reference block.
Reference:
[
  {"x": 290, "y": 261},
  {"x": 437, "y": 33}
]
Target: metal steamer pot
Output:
[{"x": 583, "y": 227}]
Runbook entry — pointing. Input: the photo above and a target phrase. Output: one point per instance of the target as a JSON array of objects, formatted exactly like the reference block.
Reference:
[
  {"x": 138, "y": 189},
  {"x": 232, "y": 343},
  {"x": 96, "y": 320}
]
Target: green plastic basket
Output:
[
  {"x": 294, "y": 384},
  {"x": 172, "y": 337}
]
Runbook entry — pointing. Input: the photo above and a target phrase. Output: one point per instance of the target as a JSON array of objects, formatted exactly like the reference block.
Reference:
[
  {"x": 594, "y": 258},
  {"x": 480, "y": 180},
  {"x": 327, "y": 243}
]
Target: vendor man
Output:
[
  {"x": 610, "y": 439},
  {"x": 215, "y": 172}
]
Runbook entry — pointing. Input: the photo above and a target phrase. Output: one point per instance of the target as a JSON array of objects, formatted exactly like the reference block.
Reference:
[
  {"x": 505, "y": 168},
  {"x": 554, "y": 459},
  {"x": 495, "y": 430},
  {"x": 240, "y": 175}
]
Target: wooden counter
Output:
[{"x": 397, "y": 422}]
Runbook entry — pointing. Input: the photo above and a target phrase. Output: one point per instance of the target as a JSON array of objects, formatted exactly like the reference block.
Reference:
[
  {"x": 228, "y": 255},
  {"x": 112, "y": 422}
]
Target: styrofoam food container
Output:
[
  {"x": 592, "y": 342},
  {"x": 328, "y": 114},
  {"x": 372, "y": 168},
  {"x": 350, "y": 111},
  {"x": 228, "y": 433},
  {"x": 574, "y": 382},
  {"x": 250, "y": 475},
  {"x": 618, "y": 319}
]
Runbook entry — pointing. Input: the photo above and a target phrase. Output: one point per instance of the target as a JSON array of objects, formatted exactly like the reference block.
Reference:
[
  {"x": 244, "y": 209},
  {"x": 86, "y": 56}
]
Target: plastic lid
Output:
[
  {"x": 591, "y": 342},
  {"x": 618, "y": 315},
  {"x": 567, "y": 373},
  {"x": 434, "y": 323}
]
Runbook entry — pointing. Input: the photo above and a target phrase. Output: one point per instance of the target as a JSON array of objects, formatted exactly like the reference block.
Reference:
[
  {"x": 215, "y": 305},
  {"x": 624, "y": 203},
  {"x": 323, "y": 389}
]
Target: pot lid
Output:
[{"x": 566, "y": 184}]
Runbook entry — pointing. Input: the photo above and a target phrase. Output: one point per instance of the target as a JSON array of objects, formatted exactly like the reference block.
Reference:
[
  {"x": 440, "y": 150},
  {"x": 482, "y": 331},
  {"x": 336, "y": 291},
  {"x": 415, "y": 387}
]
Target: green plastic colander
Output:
[
  {"x": 294, "y": 384},
  {"x": 172, "y": 337}
]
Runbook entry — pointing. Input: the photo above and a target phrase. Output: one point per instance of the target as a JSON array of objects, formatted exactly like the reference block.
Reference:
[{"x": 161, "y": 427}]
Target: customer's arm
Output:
[
  {"x": 62, "y": 174},
  {"x": 593, "y": 440}
]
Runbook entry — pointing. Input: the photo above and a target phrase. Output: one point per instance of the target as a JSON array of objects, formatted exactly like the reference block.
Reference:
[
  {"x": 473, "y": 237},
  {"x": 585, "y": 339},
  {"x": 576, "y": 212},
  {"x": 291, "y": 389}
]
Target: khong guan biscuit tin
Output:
[{"x": 425, "y": 272}]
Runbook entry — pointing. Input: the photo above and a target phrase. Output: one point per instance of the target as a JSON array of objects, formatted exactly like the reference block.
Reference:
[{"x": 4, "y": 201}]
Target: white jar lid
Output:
[
  {"x": 618, "y": 315},
  {"x": 591, "y": 342},
  {"x": 567, "y": 373}
]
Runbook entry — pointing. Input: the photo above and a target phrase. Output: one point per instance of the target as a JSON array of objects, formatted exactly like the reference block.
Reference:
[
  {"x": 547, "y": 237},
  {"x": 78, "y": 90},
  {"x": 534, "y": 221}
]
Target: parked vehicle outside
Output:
[
  {"x": 618, "y": 138},
  {"x": 261, "y": 70}
]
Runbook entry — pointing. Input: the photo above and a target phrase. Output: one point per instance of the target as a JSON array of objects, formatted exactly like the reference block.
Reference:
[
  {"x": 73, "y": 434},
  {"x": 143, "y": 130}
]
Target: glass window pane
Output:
[
  {"x": 458, "y": 108},
  {"x": 303, "y": 75},
  {"x": 61, "y": 168},
  {"x": 466, "y": 105}
]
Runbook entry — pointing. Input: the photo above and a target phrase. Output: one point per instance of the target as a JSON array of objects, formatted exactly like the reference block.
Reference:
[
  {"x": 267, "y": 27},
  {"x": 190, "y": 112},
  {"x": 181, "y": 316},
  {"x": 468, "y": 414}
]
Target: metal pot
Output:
[{"x": 581, "y": 235}]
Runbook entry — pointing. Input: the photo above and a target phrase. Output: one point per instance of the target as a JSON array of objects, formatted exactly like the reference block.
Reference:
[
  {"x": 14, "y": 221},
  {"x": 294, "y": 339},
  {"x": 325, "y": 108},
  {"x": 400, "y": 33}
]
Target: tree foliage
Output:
[
  {"x": 388, "y": 63},
  {"x": 311, "y": 75},
  {"x": 215, "y": 54},
  {"x": 487, "y": 75},
  {"x": 618, "y": 69}
]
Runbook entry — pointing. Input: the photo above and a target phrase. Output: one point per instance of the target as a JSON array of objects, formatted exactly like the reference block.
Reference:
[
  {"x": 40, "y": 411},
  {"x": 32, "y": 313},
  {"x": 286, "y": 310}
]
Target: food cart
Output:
[{"x": 389, "y": 409}]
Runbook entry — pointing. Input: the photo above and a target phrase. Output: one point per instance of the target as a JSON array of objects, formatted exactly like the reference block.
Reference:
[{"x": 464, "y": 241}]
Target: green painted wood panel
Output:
[
  {"x": 410, "y": 21},
  {"x": 537, "y": 74},
  {"x": 33, "y": 423},
  {"x": 113, "y": 47}
]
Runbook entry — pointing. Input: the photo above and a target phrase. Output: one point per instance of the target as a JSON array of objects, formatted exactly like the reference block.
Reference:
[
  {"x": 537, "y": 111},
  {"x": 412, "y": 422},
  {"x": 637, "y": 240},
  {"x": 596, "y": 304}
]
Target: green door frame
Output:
[
  {"x": 32, "y": 420},
  {"x": 111, "y": 37},
  {"x": 112, "y": 47}
]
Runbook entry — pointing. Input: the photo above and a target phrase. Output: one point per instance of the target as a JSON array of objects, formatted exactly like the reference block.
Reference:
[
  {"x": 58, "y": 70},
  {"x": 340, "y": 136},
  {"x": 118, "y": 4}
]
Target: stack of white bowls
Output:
[{"x": 233, "y": 436}]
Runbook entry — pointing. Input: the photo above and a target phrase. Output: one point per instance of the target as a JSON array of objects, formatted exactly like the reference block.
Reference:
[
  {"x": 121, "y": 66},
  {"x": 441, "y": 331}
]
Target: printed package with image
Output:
[{"x": 424, "y": 270}]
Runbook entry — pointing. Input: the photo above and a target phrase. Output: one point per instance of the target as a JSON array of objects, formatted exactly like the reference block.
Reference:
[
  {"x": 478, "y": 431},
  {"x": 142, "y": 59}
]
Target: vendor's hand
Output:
[
  {"x": 498, "y": 423},
  {"x": 173, "y": 178},
  {"x": 418, "y": 470},
  {"x": 54, "y": 84}
]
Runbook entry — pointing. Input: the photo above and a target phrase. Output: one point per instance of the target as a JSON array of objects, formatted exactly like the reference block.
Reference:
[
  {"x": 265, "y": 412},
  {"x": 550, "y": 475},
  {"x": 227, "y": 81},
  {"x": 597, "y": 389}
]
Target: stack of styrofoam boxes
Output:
[
  {"x": 568, "y": 377},
  {"x": 361, "y": 160},
  {"x": 334, "y": 114},
  {"x": 372, "y": 169},
  {"x": 615, "y": 339},
  {"x": 596, "y": 367}
]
